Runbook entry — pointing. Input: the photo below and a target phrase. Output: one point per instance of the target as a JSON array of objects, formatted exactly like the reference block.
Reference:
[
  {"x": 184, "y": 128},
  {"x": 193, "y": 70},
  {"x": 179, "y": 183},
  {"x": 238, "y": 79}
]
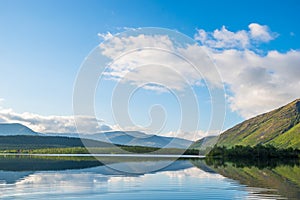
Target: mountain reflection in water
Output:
[{"x": 87, "y": 178}]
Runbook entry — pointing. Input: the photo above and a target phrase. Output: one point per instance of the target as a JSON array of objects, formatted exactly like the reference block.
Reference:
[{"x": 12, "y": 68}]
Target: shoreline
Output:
[{"x": 108, "y": 155}]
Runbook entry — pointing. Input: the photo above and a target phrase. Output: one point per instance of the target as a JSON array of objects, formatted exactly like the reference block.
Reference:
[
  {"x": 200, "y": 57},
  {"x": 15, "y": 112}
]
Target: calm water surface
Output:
[{"x": 86, "y": 178}]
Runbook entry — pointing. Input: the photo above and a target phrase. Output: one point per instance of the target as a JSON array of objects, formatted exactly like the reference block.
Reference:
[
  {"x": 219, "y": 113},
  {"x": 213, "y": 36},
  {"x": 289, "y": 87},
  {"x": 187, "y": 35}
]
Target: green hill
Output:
[
  {"x": 280, "y": 128},
  {"x": 205, "y": 144}
]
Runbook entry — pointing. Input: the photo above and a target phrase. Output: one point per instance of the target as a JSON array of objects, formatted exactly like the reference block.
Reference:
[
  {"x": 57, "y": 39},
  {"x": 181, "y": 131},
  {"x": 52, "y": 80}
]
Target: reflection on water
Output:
[
  {"x": 87, "y": 178},
  {"x": 281, "y": 177}
]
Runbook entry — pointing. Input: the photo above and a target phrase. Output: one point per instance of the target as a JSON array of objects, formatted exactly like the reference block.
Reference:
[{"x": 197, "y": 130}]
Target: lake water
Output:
[{"x": 24, "y": 177}]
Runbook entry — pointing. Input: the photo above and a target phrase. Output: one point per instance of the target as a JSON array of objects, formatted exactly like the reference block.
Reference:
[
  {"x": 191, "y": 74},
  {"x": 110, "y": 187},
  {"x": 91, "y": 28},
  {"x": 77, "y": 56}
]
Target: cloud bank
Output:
[
  {"x": 256, "y": 80},
  {"x": 256, "y": 83},
  {"x": 52, "y": 124}
]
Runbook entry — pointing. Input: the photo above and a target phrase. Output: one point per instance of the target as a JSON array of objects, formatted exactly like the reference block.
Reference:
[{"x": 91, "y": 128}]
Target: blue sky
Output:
[{"x": 43, "y": 44}]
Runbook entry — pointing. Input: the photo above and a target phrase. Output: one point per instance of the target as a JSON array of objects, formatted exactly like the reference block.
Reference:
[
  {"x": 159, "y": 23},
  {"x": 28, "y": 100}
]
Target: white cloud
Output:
[
  {"x": 53, "y": 124},
  {"x": 225, "y": 39},
  {"x": 256, "y": 83},
  {"x": 193, "y": 135},
  {"x": 144, "y": 59},
  {"x": 105, "y": 36},
  {"x": 125, "y": 44},
  {"x": 261, "y": 32},
  {"x": 259, "y": 83}
]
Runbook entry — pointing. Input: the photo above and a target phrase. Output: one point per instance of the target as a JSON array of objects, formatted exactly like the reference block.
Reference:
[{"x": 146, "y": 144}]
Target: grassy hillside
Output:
[
  {"x": 280, "y": 128},
  {"x": 204, "y": 145},
  {"x": 291, "y": 138}
]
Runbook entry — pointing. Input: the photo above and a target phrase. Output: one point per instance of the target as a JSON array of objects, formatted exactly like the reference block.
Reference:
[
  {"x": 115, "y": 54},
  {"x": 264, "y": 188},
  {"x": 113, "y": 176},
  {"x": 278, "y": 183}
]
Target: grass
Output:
[
  {"x": 104, "y": 150},
  {"x": 288, "y": 139}
]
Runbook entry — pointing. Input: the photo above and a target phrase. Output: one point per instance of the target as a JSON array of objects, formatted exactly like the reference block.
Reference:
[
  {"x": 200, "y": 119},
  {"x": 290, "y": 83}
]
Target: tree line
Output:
[{"x": 257, "y": 151}]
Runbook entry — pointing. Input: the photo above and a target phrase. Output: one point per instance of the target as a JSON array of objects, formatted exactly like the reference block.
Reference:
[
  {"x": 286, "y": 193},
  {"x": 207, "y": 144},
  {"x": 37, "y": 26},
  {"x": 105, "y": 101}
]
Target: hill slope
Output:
[
  {"x": 15, "y": 129},
  {"x": 280, "y": 128},
  {"x": 204, "y": 145}
]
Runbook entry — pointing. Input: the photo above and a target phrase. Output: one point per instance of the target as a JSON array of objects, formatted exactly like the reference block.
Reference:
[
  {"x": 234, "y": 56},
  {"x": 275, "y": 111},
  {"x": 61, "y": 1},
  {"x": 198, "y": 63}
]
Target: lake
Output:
[{"x": 56, "y": 177}]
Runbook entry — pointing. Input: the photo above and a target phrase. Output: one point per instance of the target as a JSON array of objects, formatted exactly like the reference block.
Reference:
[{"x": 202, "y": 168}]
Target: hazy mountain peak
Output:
[{"x": 15, "y": 129}]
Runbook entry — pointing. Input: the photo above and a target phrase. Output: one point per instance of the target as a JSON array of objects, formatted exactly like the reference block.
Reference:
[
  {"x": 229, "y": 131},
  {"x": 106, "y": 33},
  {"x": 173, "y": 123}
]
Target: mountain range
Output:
[
  {"x": 279, "y": 128},
  {"x": 130, "y": 138},
  {"x": 136, "y": 138}
]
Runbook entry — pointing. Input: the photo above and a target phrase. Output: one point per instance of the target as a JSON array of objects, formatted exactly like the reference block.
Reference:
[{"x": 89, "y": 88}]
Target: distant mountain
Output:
[
  {"x": 39, "y": 142},
  {"x": 130, "y": 138},
  {"x": 280, "y": 128},
  {"x": 15, "y": 129},
  {"x": 205, "y": 144},
  {"x": 136, "y": 138}
]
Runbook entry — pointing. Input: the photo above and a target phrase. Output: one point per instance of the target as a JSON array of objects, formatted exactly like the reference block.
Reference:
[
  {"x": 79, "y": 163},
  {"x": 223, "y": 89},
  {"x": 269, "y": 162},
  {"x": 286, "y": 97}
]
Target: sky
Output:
[{"x": 254, "y": 45}]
